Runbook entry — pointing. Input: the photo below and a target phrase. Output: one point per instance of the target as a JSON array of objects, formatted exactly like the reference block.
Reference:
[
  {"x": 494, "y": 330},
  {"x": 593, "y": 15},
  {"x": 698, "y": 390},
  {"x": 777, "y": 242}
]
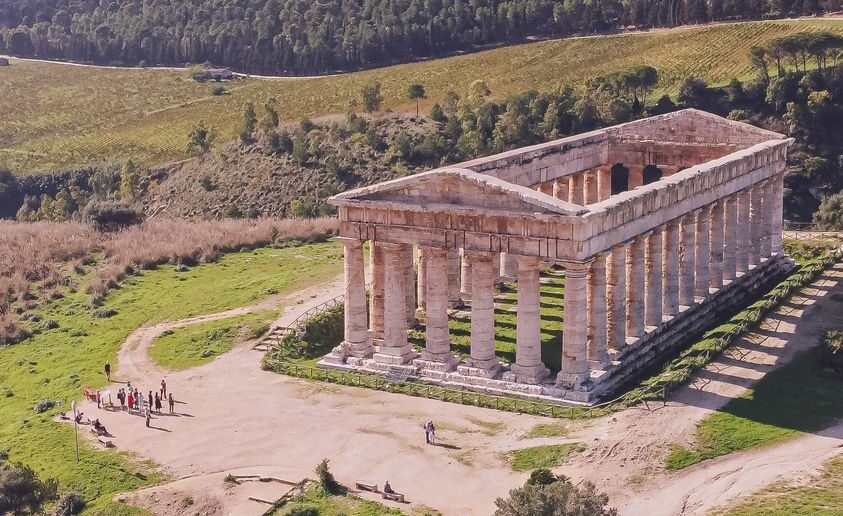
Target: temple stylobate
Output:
[{"x": 661, "y": 225}]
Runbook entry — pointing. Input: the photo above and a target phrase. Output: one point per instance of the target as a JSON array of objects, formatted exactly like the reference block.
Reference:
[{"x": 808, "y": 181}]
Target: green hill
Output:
[{"x": 57, "y": 116}]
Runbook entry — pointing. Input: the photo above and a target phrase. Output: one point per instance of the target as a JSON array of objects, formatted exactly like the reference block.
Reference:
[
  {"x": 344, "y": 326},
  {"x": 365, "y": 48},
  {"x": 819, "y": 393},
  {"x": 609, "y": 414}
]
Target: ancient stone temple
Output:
[{"x": 661, "y": 225}]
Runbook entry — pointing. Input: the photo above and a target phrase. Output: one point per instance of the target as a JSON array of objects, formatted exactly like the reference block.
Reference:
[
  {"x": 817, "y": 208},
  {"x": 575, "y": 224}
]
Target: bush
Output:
[
  {"x": 830, "y": 352},
  {"x": 72, "y": 503},
  {"x": 44, "y": 405},
  {"x": 21, "y": 491},
  {"x": 557, "y": 498},
  {"x": 112, "y": 215},
  {"x": 326, "y": 479},
  {"x": 104, "y": 313},
  {"x": 542, "y": 477},
  {"x": 302, "y": 511},
  {"x": 218, "y": 90}
]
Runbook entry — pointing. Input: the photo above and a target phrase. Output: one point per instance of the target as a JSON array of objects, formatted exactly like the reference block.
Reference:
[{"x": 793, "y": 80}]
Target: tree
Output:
[
  {"x": 111, "y": 215},
  {"x": 10, "y": 194},
  {"x": 250, "y": 121},
  {"x": 693, "y": 92},
  {"x": 22, "y": 492},
  {"x": 129, "y": 181},
  {"x": 416, "y": 92},
  {"x": 200, "y": 140},
  {"x": 371, "y": 97},
  {"x": 829, "y": 216},
  {"x": 546, "y": 495},
  {"x": 271, "y": 112}
]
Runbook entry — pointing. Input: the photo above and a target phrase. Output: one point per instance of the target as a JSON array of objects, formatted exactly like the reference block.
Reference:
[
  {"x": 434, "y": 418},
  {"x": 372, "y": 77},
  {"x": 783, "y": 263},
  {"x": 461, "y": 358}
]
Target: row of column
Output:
[{"x": 590, "y": 186}]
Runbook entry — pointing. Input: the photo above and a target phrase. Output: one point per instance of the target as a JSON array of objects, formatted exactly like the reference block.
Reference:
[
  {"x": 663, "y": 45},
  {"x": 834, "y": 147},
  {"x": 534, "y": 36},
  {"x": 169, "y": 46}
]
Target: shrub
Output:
[
  {"x": 218, "y": 90},
  {"x": 21, "y": 491},
  {"x": 326, "y": 478},
  {"x": 104, "y": 313},
  {"x": 557, "y": 498},
  {"x": 302, "y": 511},
  {"x": 72, "y": 503},
  {"x": 44, "y": 405},
  {"x": 112, "y": 215},
  {"x": 542, "y": 477},
  {"x": 830, "y": 352}
]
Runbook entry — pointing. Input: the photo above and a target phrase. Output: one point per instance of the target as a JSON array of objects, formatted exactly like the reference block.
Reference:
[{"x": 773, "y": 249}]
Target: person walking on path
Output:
[
  {"x": 163, "y": 389},
  {"x": 427, "y": 427},
  {"x": 107, "y": 370},
  {"x": 431, "y": 434},
  {"x": 99, "y": 399},
  {"x": 172, "y": 403}
]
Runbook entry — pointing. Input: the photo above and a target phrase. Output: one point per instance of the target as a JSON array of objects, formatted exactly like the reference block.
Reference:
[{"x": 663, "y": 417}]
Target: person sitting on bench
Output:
[
  {"x": 79, "y": 417},
  {"x": 388, "y": 488},
  {"x": 100, "y": 428}
]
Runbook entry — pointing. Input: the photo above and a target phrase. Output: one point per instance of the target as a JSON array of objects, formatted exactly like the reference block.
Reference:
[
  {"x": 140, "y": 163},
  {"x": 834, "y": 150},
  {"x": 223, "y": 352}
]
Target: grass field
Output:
[
  {"x": 333, "y": 505},
  {"x": 547, "y": 456},
  {"x": 797, "y": 398},
  {"x": 58, "y": 116},
  {"x": 56, "y": 363},
  {"x": 198, "y": 344}
]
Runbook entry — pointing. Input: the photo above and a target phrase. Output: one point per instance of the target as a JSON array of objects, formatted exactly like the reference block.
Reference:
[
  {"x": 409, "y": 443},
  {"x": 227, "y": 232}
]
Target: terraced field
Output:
[{"x": 58, "y": 116}]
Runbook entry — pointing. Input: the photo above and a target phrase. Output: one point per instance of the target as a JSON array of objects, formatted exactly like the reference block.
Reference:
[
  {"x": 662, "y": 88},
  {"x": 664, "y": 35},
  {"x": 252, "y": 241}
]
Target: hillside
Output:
[{"x": 94, "y": 115}]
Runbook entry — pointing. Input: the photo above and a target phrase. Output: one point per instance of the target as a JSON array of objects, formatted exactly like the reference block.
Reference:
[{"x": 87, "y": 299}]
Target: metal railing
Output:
[{"x": 297, "y": 326}]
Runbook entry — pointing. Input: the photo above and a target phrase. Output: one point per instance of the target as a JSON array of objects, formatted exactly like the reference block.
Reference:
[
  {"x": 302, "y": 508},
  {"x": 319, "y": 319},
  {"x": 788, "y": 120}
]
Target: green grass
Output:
[
  {"x": 821, "y": 496},
  {"x": 103, "y": 115},
  {"x": 549, "y": 456},
  {"x": 56, "y": 363},
  {"x": 799, "y": 397},
  {"x": 198, "y": 344},
  {"x": 328, "y": 505},
  {"x": 547, "y": 430}
]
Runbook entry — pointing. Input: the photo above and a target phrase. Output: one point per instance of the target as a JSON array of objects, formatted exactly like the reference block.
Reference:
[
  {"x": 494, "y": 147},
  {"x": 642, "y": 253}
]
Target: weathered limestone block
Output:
[
  {"x": 703, "y": 251},
  {"x": 670, "y": 265},
  {"x": 528, "y": 366},
  {"x": 635, "y": 287},
  {"x": 574, "y": 372},
  {"x": 597, "y": 338},
  {"x": 687, "y": 260},
  {"x": 616, "y": 295},
  {"x": 653, "y": 286}
]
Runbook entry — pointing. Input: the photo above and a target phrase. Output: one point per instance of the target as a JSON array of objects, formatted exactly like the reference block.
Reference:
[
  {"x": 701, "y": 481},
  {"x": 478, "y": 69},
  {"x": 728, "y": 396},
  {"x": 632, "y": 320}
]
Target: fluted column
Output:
[
  {"x": 376, "y": 265},
  {"x": 670, "y": 264},
  {"x": 604, "y": 183},
  {"x": 635, "y": 287},
  {"x": 496, "y": 266},
  {"x": 509, "y": 266},
  {"x": 777, "y": 215},
  {"x": 636, "y": 176},
  {"x": 482, "y": 361},
  {"x": 438, "y": 338},
  {"x": 687, "y": 260},
  {"x": 756, "y": 217},
  {"x": 743, "y": 232},
  {"x": 653, "y": 286},
  {"x": 395, "y": 348},
  {"x": 590, "y": 187},
  {"x": 616, "y": 296},
  {"x": 465, "y": 277},
  {"x": 597, "y": 342},
  {"x": 453, "y": 277},
  {"x": 356, "y": 341},
  {"x": 576, "y": 189},
  {"x": 767, "y": 218},
  {"x": 421, "y": 281},
  {"x": 715, "y": 277},
  {"x": 560, "y": 188},
  {"x": 528, "y": 366},
  {"x": 410, "y": 286},
  {"x": 730, "y": 238},
  {"x": 574, "y": 372},
  {"x": 702, "y": 253}
]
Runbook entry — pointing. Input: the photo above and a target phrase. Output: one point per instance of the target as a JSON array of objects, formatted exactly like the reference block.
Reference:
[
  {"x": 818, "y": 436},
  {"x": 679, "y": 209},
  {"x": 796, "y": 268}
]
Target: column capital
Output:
[
  {"x": 433, "y": 251},
  {"x": 349, "y": 242},
  {"x": 581, "y": 267}
]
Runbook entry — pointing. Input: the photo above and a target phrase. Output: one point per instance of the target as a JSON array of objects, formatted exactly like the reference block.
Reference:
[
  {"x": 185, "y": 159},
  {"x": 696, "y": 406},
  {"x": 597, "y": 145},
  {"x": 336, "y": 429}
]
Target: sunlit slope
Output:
[{"x": 58, "y": 116}]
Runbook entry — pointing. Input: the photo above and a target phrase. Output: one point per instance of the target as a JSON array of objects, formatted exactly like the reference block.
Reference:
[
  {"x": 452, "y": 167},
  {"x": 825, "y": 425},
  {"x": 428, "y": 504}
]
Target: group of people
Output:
[{"x": 133, "y": 399}]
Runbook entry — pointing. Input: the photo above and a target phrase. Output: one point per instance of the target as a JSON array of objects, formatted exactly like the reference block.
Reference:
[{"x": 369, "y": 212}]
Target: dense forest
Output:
[{"x": 296, "y": 37}]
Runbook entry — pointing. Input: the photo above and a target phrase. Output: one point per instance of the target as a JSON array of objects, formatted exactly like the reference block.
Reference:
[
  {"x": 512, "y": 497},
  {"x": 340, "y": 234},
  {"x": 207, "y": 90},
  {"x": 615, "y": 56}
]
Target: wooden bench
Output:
[
  {"x": 105, "y": 441},
  {"x": 395, "y": 497},
  {"x": 372, "y": 488}
]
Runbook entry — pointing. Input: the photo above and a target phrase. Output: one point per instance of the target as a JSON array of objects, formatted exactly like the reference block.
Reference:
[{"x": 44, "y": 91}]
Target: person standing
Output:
[
  {"x": 130, "y": 398},
  {"x": 148, "y": 417},
  {"x": 432, "y": 432},
  {"x": 163, "y": 389},
  {"x": 99, "y": 399},
  {"x": 172, "y": 403},
  {"x": 149, "y": 399},
  {"x": 427, "y": 431},
  {"x": 157, "y": 403},
  {"x": 107, "y": 370}
]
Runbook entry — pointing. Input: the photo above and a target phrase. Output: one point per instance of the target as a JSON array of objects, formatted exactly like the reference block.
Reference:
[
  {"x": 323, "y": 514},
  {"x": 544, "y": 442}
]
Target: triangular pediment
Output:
[{"x": 462, "y": 189}]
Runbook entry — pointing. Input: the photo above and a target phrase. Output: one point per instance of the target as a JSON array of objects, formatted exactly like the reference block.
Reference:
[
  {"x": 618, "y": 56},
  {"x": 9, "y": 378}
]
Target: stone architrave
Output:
[
  {"x": 703, "y": 252},
  {"x": 437, "y": 353},
  {"x": 616, "y": 295},
  {"x": 743, "y": 232},
  {"x": 576, "y": 189},
  {"x": 598, "y": 352},
  {"x": 715, "y": 278},
  {"x": 482, "y": 360},
  {"x": 755, "y": 220},
  {"x": 465, "y": 277},
  {"x": 376, "y": 264},
  {"x": 687, "y": 260},
  {"x": 528, "y": 366},
  {"x": 574, "y": 373},
  {"x": 653, "y": 286},
  {"x": 670, "y": 266},
  {"x": 357, "y": 342},
  {"x": 604, "y": 183},
  {"x": 777, "y": 215},
  {"x": 730, "y": 238},
  {"x": 767, "y": 219},
  {"x": 635, "y": 287},
  {"x": 395, "y": 348},
  {"x": 454, "y": 277}
]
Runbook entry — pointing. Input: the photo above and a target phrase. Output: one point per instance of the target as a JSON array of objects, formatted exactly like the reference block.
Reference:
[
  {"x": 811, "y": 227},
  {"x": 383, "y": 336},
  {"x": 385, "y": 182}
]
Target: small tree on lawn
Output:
[
  {"x": 250, "y": 120},
  {"x": 129, "y": 181},
  {"x": 372, "y": 98},
  {"x": 326, "y": 478},
  {"x": 416, "y": 92},
  {"x": 829, "y": 216},
  {"x": 200, "y": 140}
]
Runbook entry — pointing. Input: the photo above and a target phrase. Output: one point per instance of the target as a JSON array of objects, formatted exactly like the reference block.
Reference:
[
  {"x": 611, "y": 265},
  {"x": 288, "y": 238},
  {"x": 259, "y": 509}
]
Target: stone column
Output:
[
  {"x": 670, "y": 264},
  {"x": 616, "y": 295},
  {"x": 574, "y": 372},
  {"x": 560, "y": 188},
  {"x": 590, "y": 187},
  {"x": 653, "y": 285},
  {"x": 410, "y": 286},
  {"x": 482, "y": 361},
  {"x": 687, "y": 264},
  {"x": 453, "y": 277},
  {"x": 576, "y": 189},
  {"x": 730, "y": 238},
  {"x": 715, "y": 279},
  {"x": 465, "y": 277},
  {"x": 635, "y": 287},
  {"x": 604, "y": 183},
  {"x": 755, "y": 218},
  {"x": 496, "y": 266},
  {"x": 357, "y": 342},
  {"x": 438, "y": 339},
  {"x": 376, "y": 265},
  {"x": 777, "y": 215},
  {"x": 636, "y": 176},
  {"x": 421, "y": 281},
  {"x": 743, "y": 232},
  {"x": 395, "y": 348},
  {"x": 509, "y": 266},
  {"x": 767, "y": 218},
  {"x": 528, "y": 366},
  {"x": 597, "y": 343},
  {"x": 702, "y": 253}
]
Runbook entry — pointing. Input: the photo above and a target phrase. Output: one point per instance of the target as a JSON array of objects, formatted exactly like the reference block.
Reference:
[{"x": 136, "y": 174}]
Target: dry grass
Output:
[{"x": 43, "y": 257}]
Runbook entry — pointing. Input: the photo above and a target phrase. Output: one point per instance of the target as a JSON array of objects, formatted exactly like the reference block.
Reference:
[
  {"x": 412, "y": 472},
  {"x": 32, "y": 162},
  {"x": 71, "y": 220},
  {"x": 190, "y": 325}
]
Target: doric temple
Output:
[{"x": 661, "y": 225}]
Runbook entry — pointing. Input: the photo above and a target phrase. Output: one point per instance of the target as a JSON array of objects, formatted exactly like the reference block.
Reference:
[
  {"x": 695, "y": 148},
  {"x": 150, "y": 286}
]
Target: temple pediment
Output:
[{"x": 461, "y": 189}]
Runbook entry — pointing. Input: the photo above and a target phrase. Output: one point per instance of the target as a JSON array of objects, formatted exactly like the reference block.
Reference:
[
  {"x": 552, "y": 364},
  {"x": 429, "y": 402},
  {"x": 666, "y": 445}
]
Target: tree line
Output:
[{"x": 290, "y": 37}]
